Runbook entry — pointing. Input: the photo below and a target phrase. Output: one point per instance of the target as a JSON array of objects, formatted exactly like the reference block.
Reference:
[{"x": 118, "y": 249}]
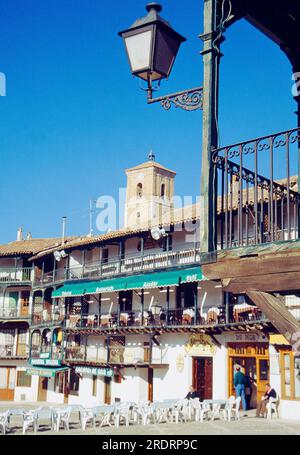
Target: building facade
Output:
[{"x": 125, "y": 316}]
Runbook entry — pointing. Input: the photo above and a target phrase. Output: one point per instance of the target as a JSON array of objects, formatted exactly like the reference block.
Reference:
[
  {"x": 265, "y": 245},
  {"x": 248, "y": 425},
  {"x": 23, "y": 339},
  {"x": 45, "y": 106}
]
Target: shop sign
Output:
[
  {"x": 94, "y": 371},
  {"x": 44, "y": 373},
  {"x": 243, "y": 337},
  {"x": 46, "y": 362},
  {"x": 200, "y": 345}
]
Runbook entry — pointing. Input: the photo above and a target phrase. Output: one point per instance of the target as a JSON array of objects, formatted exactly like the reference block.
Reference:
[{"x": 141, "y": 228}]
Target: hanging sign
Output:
[
  {"x": 46, "y": 362},
  {"x": 200, "y": 345},
  {"x": 95, "y": 371}
]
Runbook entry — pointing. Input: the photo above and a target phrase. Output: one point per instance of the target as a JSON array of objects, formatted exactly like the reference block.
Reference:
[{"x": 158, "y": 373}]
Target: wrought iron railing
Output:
[
  {"x": 12, "y": 275},
  {"x": 116, "y": 354},
  {"x": 9, "y": 350},
  {"x": 13, "y": 313},
  {"x": 46, "y": 318},
  {"x": 173, "y": 317},
  {"x": 131, "y": 264},
  {"x": 258, "y": 199}
]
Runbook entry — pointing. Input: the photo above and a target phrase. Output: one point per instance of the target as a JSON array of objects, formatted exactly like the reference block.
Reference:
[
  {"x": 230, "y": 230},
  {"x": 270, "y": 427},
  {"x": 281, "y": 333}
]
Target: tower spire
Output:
[{"x": 151, "y": 156}]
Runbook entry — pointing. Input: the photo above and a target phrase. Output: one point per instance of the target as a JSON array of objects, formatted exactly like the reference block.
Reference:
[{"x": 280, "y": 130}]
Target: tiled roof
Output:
[{"x": 28, "y": 247}]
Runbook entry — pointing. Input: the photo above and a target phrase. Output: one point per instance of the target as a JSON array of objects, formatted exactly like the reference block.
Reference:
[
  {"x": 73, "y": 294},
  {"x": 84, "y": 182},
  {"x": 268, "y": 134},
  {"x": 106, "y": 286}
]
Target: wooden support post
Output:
[
  {"x": 142, "y": 251},
  {"x": 226, "y": 299},
  {"x": 119, "y": 309},
  {"x": 108, "y": 348},
  {"x": 83, "y": 261},
  {"x": 54, "y": 270},
  {"x": 142, "y": 306},
  {"x": 196, "y": 304},
  {"x": 168, "y": 305},
  {"x": 211, "y": 58}
]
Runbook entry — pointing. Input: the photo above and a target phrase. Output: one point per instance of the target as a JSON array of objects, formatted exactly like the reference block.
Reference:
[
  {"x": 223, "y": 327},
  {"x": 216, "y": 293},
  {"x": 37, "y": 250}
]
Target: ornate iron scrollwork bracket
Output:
[{"x": 189, "y": 100}]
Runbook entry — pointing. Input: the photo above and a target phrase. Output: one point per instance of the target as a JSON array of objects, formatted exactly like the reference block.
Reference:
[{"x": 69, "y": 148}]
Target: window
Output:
[
  {"x": 7, "y": 337},
  {"x": 59, "y": 382},
  {"x": 290, "y": 375},
  {"x": 125, "y": 299},
  {"x": 186, "y": 294},
  {"x": 105, "y": 255},
  {"x": 139, "y": 190},
  {"x": 163, "y": 190},
  {"x": 13, "y": 299},
  {"x": 74, "y": 383},
  {"x": 167, "y": 243},
  {"x": 94, "y": 392},
  {"x": 23, "y": 379},
  {"x": 117, "y": 378},
  {"x": 263, "y": 370}
]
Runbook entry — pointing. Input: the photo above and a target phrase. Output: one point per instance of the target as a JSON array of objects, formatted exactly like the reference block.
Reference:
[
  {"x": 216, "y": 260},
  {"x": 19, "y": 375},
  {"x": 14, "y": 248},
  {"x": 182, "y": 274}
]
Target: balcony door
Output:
[
  {"x": 7, "y": 383},
  {"x": 24, "y": 310},
  {"x": 42, "y": 390},
  {"x": 203, "y": 377},
  {"x": 13, "y": 299}
]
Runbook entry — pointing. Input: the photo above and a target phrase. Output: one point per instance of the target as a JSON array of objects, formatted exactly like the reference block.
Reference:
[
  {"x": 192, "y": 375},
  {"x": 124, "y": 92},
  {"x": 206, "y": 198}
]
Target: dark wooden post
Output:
[
  {"x": 119, "y": 309},
  {"x": 142, "y": 306},
  {"x": 108, "y": 348},
  {"x": 211, "y": 58},
  {"x": 168, "y": 305},
  {"x": 196, "y": 304},
  {"x": 142, "y": 251},
  {"x": 226, "y": 298}
]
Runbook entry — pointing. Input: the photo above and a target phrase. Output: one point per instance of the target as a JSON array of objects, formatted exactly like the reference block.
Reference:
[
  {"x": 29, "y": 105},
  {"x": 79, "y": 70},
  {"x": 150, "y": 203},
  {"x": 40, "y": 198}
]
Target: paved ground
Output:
[{"x": 248, "y": 425}]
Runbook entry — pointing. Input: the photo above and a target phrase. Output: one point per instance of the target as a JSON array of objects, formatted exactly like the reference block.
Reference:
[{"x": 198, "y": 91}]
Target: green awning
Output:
[
  {"x": 146, "y": 281},
  {"x": 70, "y": 290},
  {"x": 45, "y": 372},
  {"x": 191, "y": 275},
  {"x": 154, "y": 280},
  {"x": 105, "y": 286}
]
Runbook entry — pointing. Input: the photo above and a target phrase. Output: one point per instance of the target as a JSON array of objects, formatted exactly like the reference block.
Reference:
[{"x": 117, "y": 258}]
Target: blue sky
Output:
[{"x": 74, "y": 118}]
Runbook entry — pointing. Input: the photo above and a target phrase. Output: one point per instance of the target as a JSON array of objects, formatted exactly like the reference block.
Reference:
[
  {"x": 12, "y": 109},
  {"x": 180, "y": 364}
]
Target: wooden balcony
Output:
[
  {"x": 16, "y": 275},
  {"x": 13, "y": 352},
  {"x": 116, "y": 355},
  {"x": 184, "y": 255},
  {"x": 14, "y": 313},
  {"x": 181, "y": 318}
]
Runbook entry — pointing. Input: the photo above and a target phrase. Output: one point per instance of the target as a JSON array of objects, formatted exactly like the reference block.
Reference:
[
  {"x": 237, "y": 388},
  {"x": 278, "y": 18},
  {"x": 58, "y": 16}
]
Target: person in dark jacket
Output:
[
  {"x": 192, "y": 393},
  {"x": 262, "y": 404},
  {"x": 239, "y": 382}
]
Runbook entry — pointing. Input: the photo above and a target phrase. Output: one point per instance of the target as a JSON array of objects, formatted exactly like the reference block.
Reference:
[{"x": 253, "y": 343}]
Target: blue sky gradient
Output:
[{"x": 74, "y": 118}]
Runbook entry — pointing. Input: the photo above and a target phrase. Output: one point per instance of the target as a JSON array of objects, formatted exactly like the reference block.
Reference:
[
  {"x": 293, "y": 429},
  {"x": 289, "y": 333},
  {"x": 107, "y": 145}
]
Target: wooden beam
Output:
[
  {"x": 271, "y": 282},
  {"x": 275, "y": 310}
]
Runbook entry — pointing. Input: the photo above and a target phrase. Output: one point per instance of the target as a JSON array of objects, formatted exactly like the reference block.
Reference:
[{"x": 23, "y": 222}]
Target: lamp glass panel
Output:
[
  {"x": 139, "y": 50},
  {"x": 166, "y": 49}
]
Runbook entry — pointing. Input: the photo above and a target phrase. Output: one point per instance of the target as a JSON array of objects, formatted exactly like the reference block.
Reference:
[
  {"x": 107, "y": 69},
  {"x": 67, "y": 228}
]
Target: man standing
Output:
[
  {"x": 262, "y": 404},
  {"x": 239, "y": 385}
]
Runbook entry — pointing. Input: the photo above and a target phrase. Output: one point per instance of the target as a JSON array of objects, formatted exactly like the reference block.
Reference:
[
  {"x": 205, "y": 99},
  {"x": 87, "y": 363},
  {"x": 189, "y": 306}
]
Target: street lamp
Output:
[{"x": 152, "y": 46}]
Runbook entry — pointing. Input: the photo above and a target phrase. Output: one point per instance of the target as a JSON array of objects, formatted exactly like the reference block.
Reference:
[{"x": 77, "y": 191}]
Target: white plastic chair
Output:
[
  {"x": 180, "y": 411},
  {"x": 122, "y": 414},
  {"x": 30, "y": 419},
  {"x": 232, "y": 407},
  {"x": 88, "y": 415},
  {"x": 204, "y": 411},
  {"x": 147, "y": 412},
  {"x": 4, "y": 418},
  {"x": 195, "y": 409},
  {"x": 61, "y": 416},
  {"x": 272, "y": 407}
]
